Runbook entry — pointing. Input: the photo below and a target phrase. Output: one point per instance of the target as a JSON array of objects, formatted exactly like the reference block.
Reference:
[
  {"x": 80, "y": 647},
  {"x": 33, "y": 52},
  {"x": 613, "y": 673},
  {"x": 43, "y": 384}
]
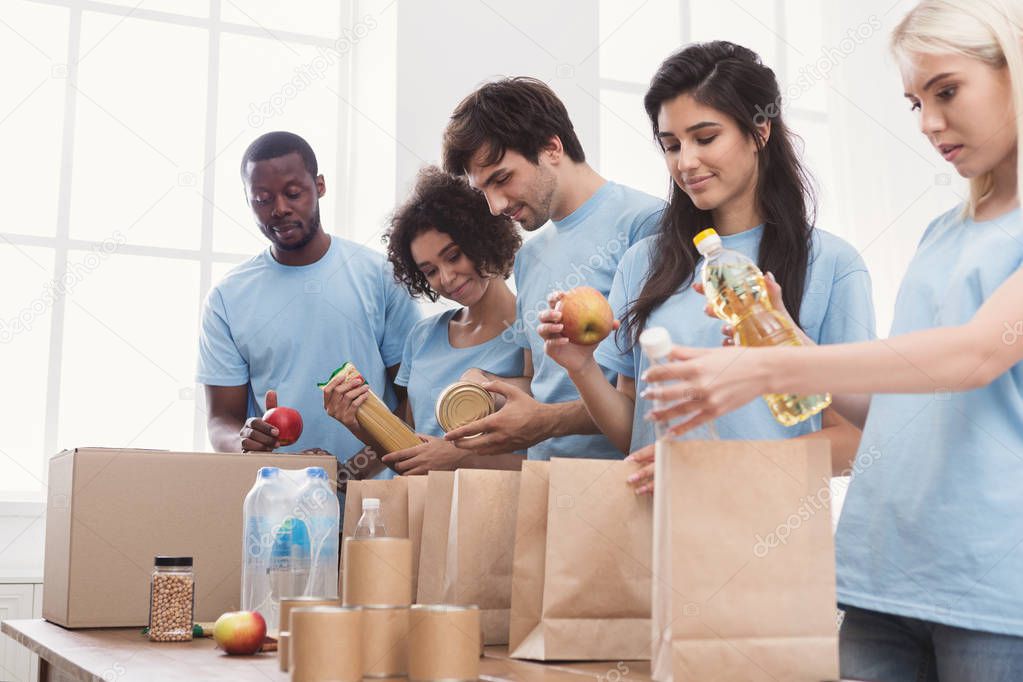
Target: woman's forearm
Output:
[
  {"x": 941, "y": 359},
  {"x": 610, "y": 409}
]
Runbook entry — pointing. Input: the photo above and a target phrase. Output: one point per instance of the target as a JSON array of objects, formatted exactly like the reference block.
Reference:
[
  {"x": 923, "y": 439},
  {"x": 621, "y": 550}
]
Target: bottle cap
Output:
[
  {"x": 316, "y": 472},
  {"x": 172, "y": 561},
  {"x": 707, "y": 241},
  {"x": 370, "y": 503},
  {"x": 268, "y": 472},
  {"x": 655, "y": 342}
]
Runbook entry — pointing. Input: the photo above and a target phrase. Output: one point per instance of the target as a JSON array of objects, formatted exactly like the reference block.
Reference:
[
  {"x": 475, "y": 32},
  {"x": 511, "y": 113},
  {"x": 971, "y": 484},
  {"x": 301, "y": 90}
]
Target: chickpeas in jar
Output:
[{"x": 171, "y": 599}]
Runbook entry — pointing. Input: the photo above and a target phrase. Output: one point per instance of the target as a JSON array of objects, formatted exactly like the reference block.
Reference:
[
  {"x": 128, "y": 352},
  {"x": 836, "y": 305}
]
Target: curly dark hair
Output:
[{"x": 446, "y": 203}]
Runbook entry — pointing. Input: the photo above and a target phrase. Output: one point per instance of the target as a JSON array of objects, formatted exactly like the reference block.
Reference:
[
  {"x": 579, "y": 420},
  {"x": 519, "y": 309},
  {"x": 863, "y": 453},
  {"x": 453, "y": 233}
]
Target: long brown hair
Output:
[{"x": 731, "y": 79}]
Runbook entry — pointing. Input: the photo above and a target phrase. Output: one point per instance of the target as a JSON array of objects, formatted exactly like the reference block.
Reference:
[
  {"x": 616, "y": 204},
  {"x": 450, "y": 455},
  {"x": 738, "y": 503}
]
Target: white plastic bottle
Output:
[
  {"x": 656, "y": 345},
  {"x": 319, "y": 506},
  {"x": 371, "y": 523},
  {"x": 264, "y": 508}
]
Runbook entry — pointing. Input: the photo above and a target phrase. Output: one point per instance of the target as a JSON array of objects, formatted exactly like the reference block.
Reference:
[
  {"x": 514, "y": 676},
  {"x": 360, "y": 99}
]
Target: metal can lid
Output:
[{"x": 463, "y": 402}]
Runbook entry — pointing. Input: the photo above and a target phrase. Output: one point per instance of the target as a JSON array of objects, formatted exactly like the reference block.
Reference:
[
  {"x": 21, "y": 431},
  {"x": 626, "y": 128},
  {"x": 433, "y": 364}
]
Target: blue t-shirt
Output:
[
  {"x": 430, "y": 364},
  {"x": 933, "y": 521},
  {"x": 836, "y": 308},
  {"x": 282, "y": 327},
  {"x": 583, "y": 249}
]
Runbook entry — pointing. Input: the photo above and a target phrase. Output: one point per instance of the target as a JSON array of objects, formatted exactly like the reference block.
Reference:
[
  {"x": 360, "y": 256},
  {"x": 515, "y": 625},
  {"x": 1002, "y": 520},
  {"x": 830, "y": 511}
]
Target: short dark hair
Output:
[
  {"x": 445, "y": 202},
  {"x": 520, "y": 113},
  {"x": 277, "y": 144}
]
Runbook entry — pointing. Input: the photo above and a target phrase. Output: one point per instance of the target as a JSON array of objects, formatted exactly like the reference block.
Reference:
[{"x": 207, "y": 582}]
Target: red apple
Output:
[
  {"x": 287, "y": 421},
  {"x": 240, "y": 632},
  {"x": 586, "y": 316}
]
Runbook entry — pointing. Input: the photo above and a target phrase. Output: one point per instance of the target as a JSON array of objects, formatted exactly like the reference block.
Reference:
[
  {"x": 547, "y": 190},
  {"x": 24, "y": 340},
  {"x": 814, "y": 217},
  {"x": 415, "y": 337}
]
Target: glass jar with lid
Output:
[{"x": 171, "y": 599}]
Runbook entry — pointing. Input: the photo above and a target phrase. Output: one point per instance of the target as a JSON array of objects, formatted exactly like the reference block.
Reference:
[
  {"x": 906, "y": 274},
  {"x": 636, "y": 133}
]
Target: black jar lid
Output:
[{"x": 172, "y": 561}]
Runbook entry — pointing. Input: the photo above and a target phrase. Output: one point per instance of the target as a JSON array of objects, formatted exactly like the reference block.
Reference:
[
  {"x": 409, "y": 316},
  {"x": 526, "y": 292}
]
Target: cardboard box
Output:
[{"x": 110, "y": 511}]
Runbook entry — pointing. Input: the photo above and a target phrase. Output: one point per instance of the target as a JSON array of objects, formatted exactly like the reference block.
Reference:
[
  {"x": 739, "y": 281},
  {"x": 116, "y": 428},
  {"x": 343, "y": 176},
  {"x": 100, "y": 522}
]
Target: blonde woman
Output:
[{"x": 930, "y": 544}]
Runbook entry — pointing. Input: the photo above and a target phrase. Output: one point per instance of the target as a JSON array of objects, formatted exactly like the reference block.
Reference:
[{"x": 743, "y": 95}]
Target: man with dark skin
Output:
[{"x": 284, "y": 320}]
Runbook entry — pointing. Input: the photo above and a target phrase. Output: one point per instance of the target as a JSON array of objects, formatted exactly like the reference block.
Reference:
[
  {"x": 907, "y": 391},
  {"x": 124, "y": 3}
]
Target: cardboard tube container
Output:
[
  {"x": 325, "y": 644},
  {"x": 286, "y": 606},
  {"x": 282, "y": 650},
  {"x": 385, "y": 641},
  {"x": 444, "y": 642},
  {"x": 377, "y": 571}
]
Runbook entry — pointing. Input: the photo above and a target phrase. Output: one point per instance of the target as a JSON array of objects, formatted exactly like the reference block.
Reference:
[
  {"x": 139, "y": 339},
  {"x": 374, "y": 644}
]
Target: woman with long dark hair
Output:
[{"x": 734, "y": 167}]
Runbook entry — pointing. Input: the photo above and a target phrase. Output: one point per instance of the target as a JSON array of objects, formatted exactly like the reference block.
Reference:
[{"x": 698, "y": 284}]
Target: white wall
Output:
[
  {"x": 445, "y": 50},
  {"x": 22, "y": 528}
]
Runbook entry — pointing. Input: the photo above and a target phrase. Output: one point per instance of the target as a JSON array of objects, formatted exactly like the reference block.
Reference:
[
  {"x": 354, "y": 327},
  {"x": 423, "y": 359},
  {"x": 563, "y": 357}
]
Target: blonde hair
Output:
[{"x": 988, "y": 30}]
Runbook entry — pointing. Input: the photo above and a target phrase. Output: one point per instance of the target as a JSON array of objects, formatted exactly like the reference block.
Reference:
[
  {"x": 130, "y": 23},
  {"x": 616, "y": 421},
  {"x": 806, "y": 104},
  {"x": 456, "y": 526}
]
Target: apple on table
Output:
[{"x": 240, "y": 632}]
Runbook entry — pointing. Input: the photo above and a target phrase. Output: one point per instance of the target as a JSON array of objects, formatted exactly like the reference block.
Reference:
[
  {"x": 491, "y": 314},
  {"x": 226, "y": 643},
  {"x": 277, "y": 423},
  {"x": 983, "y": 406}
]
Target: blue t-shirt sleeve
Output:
[
  {"x": 646, "y": 226},
  {"x": 850, "y": 314},
  {"x": 401, "y": 313},
  {"x": 220, "y": 362},
  {"x": 609, "y": 354},
  {"x": 406, "y": 359}
]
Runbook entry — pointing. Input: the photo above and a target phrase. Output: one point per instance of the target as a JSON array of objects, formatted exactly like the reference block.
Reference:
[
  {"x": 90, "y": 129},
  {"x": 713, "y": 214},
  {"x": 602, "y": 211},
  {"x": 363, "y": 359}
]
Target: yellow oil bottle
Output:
[{"x": 737, "y": 293}]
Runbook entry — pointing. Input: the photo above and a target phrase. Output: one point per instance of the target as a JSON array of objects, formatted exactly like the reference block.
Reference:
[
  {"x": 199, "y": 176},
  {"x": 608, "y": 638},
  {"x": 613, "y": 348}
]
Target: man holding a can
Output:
[{"x": 514, "y": 141}]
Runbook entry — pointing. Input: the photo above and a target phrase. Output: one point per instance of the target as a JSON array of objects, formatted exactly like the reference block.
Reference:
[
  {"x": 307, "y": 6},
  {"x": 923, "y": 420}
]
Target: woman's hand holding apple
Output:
[{"x": 574, "y": 357}]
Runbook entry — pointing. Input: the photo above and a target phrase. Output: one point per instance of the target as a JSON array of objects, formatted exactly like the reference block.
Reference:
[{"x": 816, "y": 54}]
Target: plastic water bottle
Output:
[
  {"x": 319, "y": 505},
  {"x": 264, "y": 508},
  {"x": 371, "y": 523},
  {"x": 656, "y": 345},
  {"x": 735, "y": 288},
  {"x": 290, "y": 558}
]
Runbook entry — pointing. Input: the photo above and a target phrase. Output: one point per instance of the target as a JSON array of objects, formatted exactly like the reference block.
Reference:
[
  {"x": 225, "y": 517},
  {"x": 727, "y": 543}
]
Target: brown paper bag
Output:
[
  {"x": 401, "y": 505},
  {"x": 468, "y": 543},
  {"x": 744, "y": 585},
  {"x": 581, "y": 577}
]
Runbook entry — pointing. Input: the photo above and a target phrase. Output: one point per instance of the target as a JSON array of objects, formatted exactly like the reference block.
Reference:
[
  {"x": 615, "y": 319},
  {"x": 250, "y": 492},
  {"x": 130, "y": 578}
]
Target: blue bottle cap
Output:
[
  {"x": 316, "y": 472},
  {"x": 268, "y": 472}
]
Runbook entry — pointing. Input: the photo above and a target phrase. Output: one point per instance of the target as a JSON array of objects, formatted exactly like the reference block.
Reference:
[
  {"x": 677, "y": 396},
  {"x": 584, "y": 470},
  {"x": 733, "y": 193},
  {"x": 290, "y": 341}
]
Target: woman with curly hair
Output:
[{"x": 444, "y": 242}]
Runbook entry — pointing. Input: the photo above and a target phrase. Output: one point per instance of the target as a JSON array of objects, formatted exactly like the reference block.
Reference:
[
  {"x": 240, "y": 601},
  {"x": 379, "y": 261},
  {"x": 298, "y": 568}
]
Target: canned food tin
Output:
[{"x": 463, "y": 402}]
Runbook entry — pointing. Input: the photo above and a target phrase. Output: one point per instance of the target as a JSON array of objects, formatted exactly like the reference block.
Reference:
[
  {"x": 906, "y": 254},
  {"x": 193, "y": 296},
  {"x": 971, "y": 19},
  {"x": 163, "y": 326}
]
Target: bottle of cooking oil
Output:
[{"x": 735, "y": 287}]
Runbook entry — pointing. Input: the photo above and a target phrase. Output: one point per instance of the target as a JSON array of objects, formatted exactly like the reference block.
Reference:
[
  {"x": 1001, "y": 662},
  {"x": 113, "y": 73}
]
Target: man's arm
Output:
[
  {"x": 521, "y": 423},
  {"x": 229, "y": 431}
]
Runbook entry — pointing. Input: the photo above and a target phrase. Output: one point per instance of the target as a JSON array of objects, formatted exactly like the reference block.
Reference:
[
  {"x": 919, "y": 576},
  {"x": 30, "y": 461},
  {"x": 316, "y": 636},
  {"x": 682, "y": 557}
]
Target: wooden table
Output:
[{"x": 124, "y": 655}]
